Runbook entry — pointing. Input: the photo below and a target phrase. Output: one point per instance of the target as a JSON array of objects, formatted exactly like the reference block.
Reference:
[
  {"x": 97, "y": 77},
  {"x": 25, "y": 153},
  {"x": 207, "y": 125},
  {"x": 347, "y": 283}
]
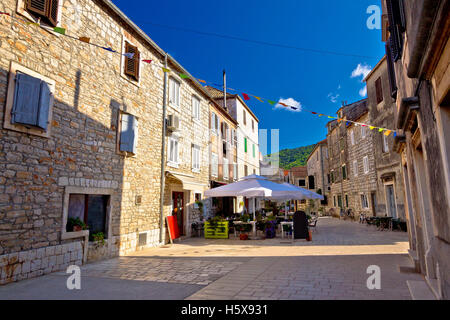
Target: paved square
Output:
[{"x": 332, "y": 266}]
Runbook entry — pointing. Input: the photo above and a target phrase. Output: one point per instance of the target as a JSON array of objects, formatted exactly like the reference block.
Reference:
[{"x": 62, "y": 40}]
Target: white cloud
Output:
[
  {"x": 292, "y": 105},
  {"x": 363, "y": 92},
  {"x": 362, "y": 70},
  {"x": 333, "y": 97}
]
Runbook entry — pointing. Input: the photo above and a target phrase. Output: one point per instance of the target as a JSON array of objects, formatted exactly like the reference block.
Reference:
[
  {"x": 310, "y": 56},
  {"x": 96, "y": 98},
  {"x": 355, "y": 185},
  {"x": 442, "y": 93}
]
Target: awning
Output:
[{"x": 188, "y": 182}]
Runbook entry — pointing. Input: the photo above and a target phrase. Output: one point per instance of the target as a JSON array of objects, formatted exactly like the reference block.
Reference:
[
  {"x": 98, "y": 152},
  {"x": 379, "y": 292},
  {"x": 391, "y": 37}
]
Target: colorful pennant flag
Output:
[
  {"x": 59, "y": 30},
  {"x": 321, "y": 115},
  {"x": 129, "y": 55},
  {"x": 246, "y": 97},
  {"x": 283, "y": 104},
  {"x": 330, "y": 117},
  {"x": 271, "y": 102},
  {"x": 294, "y": 108},
  {"x": 108, "y": 49},
  {"x": 165, "y": 70},
  {"x": 5, "y": 13},
  {"x": 388, "y": 133},
  {"x": 85, "y": 39},
  {"x": 380, "y": 130},
  {"x": 33, "y": 24},
  {"x": 147, "y": 61},
  {"x": 395, "y": 134},
  {"x": 258, "y": 98},
  {"x": 202, "y": 81},
  {"x": 184, "y": 76},
  {"x": 371, "y": 128}
]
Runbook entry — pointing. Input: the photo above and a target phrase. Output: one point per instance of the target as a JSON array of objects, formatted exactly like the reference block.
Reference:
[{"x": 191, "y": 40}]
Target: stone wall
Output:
[{"x": 81, "y": 151}]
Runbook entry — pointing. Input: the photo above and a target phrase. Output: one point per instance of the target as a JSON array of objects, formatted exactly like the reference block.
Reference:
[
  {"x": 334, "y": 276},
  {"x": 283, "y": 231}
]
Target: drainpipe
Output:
[{"x": 163, "y": 155}]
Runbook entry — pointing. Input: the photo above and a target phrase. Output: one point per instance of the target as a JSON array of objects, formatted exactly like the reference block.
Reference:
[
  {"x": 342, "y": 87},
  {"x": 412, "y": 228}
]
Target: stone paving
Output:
[{"x": 332, "y": 266}]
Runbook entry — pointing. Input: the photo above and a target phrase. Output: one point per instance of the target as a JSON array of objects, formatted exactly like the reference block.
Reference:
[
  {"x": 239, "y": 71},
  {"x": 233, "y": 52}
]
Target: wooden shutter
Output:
[
  {"x": 52, "y": 13},
  {"x": 391, "y": 70},
  {"x": 26, "y": 100},
  {"x": 395, "y": 27},
  {"x": 47, "y": 9},
  {"x": 45, "y": 102},
  {"x": 38, "y": 6},
  {"x": 132, "y": 65},
  {"x": 128, "y": 133},
  {"x": 379, "y": 90}
]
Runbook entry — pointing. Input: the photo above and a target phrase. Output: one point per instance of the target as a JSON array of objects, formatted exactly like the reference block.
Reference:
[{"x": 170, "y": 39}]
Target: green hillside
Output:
[{"x": 297, "y": 157}]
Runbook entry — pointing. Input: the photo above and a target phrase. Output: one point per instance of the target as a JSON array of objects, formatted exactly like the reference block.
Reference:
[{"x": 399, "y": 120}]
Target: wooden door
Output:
[{"x": 178, "y": 209}]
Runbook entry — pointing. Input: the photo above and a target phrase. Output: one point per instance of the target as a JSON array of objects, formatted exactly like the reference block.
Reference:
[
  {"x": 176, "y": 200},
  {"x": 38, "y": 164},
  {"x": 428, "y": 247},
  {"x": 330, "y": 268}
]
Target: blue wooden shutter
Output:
[
  {"x": 128, "y": 133},
  {"x": 26, "y": 100},
  {"x": 45, "y": 102}
]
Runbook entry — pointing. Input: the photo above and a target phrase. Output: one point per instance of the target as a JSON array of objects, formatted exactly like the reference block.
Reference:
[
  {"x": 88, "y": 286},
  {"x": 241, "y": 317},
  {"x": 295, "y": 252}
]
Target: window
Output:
[
  {"x": 128, "y": 133},
  {"x": 47, "y": 10},
  {"x": 214, "y": 165},
  {"x": 302, "y": 183},
  {"x": 253, "y": 125},
  {"x": 391, "y": 70},
  {"x": 226, "y": 169},
  {"x": 364, "y": 202},
  {"x": 224, "y": 130},
  {"x": 385, "y": 144},
  {"x": 131, "y": 65},
  {"x": 340, "y": 201},
  {"x": 254, "y": 151},
  {"x": 174, "y": 92},
  {"x": 31, "y": 103},
  {"x": 363, "y": 132},
  {"x": 235, "y": 171},
  {"x": 326, "y": 153},
  {"x": 379, "y": 90},
  {"x": 245, "y": 145},
  {"x": 334, "y": 200},
  {"x": 344, "y": 172},
  {"x": 332, "y": 176},
  {"x": 352, "y": 137},
  {"x": 311, "y": 183},
  {"x": 396, "y": 26},
  {"x": 195, "y": 158},
  {"x": 355, "y": 168},
  {"x": 329, "y": 178},
  {"x": 195, "y": 108},
  {"x": 224, "y": 148},
  {"x": 346, "y": 200},
  {"x": 366, "y": 164},
  {"x": 173, "y": 151},
  {"x": 245, "y": 118},
  {"x": 234, "y": 139},
  {"x": 90, "y": 209},
  {"x": 245, "y": 170},
  {"x": 214, "y": 123}
]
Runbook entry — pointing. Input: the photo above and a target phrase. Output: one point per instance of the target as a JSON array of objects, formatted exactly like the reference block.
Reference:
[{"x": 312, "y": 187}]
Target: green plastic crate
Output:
[{"x": 219, "y": 232}]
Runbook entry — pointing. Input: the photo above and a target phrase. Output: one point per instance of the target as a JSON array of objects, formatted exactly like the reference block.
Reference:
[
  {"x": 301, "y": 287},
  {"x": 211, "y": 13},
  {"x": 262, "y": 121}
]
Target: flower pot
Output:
[
  {"x": 77, "y": 228},
  {"x": 243, "y": 236},
  {"x": 309, "y": 236}
]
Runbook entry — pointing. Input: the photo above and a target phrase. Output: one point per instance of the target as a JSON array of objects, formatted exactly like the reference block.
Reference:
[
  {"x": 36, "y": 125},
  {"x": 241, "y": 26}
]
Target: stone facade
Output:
[
  {"x": 361, "y": 169},
  {"x": 80, "y": 153},
  {"x": 317, "y": 167},
  {"x": 389, "y": 198},
  {"x": 418, "y": 51}
]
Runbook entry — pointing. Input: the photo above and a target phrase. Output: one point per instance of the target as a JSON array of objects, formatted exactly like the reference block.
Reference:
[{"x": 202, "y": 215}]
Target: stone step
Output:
[{"x": 419, "y": 290}]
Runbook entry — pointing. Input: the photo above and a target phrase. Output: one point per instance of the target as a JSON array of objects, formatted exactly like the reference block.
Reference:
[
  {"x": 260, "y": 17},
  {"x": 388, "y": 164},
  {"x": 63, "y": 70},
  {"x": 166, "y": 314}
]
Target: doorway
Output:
[
  {"x": 178, "y": 210},
  {"x": 390, "y": 199}
]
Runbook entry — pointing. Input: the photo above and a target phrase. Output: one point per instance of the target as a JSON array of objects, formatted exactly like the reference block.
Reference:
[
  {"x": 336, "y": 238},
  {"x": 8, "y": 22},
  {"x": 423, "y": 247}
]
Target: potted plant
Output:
[
  {"x": 75, "y": 225},
  {"x": 98, "y": 238}
]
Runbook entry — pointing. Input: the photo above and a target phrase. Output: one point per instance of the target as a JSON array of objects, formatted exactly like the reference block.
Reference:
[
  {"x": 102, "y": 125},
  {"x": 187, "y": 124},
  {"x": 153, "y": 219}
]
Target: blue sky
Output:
[{"x": 319, "y": 82}]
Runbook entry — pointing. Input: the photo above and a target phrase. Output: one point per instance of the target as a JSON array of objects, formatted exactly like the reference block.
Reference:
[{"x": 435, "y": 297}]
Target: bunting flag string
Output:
[{"x": 246, "y": 96}]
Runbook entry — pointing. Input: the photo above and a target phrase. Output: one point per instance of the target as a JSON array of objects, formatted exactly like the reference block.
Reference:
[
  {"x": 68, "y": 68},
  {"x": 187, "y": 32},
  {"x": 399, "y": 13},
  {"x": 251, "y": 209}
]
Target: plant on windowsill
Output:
[
  {"x": 75, "y": 225},
  {"x": 98, "y": 238}
]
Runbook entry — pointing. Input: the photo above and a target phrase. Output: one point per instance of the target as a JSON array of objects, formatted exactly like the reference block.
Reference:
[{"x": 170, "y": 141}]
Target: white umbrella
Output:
[{"x": 255, "y": 186}]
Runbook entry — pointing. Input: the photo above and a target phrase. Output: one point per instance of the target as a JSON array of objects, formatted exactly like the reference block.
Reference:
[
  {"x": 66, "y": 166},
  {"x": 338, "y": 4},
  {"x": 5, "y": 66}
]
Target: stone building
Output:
[
  {"x": 247, "y": 137},
  {"x": 338, "y": 153},
  {"x": 389, "y": 197},
  {"x": 360, "y": 170},
  {"x": 318, "y": 173},
  {"x": 81, "y": 137},
  {"x": 416, "y": 33},
  {"x": 224, "y": 162}
]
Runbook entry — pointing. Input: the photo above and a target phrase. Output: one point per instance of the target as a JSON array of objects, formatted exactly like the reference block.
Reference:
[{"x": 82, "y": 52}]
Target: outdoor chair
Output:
[{"x": 313, "y": 224}]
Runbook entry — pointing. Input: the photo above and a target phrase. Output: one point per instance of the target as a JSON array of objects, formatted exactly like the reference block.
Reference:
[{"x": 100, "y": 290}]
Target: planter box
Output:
[{"x": 218, "y": 232}]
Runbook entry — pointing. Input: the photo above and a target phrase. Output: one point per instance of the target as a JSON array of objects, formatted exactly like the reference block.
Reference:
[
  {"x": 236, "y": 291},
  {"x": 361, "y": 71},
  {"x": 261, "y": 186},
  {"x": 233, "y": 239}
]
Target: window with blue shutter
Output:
[
  {"x": 128, "y": 134},
  {"x": 26, "y": 100},
  {"x": 32, "y": 102}
]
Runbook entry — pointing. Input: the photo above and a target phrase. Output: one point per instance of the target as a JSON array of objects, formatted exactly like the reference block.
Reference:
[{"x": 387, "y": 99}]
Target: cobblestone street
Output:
[{"x": 332, "y": 266}]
